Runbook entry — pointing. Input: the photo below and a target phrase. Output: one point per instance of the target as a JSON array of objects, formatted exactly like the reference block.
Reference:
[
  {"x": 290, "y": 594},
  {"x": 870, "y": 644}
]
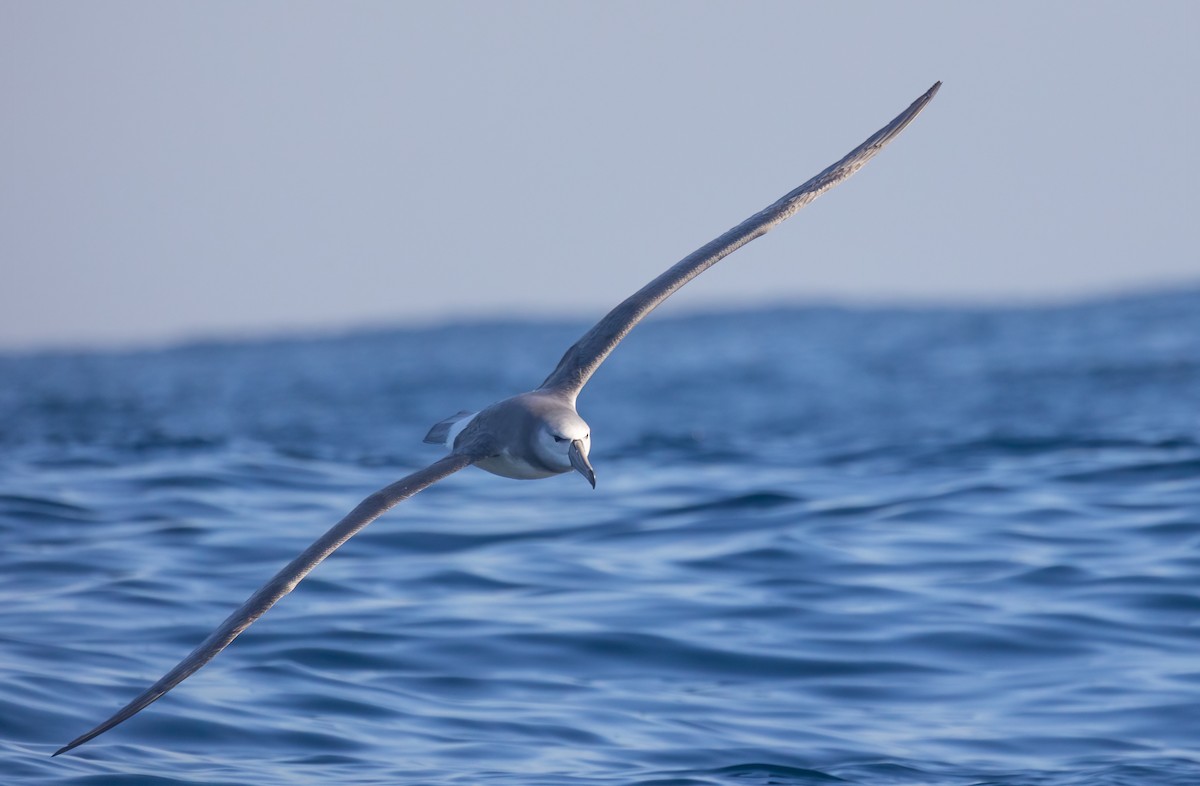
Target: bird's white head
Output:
[{"x": 564, "y": 441}]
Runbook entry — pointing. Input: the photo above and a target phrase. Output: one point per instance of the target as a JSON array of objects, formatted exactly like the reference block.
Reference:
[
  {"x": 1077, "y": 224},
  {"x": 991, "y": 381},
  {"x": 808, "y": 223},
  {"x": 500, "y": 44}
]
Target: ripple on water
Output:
[{"x": 940, "y": 547}]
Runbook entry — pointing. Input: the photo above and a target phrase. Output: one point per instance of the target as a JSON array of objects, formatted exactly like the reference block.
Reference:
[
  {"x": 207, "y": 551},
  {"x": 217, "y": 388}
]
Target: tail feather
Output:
[{"x": 440, "y": 433}]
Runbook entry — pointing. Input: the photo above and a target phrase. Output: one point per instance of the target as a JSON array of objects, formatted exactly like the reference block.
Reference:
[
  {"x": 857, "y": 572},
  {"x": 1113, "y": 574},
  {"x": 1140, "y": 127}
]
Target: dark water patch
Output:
[
  {"x": 457, "y": 580},
  {"x": 180, "y": 481},
  {"x": 758, "y": 500},
  {"x": 334, "y": 658},
  {"x": 1053, "y": 576},
  {"x": 613, "y": 652},
  {"x": 18, "y": 509},
  {"x": 992, "y": 647},
  {"x": 117, "y": 779},
  {"x": 765, "y": 560},
  {"x": 426, "y": 542},
  {"x": 50, "y": 460},
  {"x": 1148, "y": 472},
  {"x": 850, "y": 508},
  {"x": 885, "y": 773},
  {"x": 775, "y": 773},
  {"x": 1167, "y": 602},
  {"x": 1185, "y": 529}
]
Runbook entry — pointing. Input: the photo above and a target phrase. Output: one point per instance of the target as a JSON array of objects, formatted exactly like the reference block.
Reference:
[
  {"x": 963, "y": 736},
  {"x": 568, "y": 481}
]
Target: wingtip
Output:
[
  {"x": 75, "y": 743},
  {"x": 930, "y": 93}
]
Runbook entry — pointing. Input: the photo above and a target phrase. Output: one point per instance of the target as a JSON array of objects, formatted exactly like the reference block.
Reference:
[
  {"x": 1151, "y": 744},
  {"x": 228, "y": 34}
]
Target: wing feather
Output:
[
  {"x": 582, "y": 359},
  {"x": 284, "y": 581}
]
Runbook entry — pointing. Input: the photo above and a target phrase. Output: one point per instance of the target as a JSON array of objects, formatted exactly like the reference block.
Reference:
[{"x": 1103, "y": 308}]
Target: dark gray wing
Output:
[
  {"x": 284, "y": 581},
  {"x": 582, "y": 359}
]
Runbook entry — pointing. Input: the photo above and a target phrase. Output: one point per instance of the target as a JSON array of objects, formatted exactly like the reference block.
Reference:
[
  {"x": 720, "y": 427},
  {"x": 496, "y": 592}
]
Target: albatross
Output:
[{"x": 531, "y": 435}]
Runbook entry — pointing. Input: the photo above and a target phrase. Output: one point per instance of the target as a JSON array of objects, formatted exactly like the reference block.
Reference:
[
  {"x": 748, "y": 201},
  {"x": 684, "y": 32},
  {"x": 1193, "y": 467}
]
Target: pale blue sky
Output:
[{"x": 174, "y": 170}]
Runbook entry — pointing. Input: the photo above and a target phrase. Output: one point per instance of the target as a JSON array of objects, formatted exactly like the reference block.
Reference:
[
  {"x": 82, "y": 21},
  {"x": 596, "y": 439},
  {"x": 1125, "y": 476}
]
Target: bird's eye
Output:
[{"x": 560, "y": 439}]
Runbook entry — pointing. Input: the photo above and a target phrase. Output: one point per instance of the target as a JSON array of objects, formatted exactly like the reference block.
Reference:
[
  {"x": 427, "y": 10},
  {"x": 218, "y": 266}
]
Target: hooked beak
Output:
[{"x": 580, "y": 463}]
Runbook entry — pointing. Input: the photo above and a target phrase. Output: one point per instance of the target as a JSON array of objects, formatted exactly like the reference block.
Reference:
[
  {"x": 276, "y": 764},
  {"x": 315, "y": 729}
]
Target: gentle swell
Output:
[{"x": 860, "y": 547}]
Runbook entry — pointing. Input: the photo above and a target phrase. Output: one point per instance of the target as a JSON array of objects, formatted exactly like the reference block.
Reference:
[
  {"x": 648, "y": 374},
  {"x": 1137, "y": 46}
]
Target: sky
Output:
[{"x": 173, "y": 171}]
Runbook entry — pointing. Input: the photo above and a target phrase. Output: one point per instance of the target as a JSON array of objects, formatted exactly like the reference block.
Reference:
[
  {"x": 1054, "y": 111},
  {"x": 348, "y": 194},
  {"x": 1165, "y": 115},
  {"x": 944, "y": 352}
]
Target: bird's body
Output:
[{"x": 528, "y": 436}]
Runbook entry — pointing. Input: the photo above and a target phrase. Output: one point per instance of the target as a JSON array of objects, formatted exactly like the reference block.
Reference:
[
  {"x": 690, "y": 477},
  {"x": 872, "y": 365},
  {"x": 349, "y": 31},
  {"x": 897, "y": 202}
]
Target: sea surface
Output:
[{"x": 886, "y": 546}]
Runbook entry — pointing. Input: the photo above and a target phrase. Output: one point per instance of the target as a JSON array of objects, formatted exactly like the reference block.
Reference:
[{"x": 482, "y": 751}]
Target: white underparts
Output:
[{"x": 507, "y": 465}]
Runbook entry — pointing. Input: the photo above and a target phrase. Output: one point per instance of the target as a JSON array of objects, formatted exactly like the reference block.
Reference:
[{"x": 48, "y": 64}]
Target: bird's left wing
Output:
[
  {"x": 586, "y": 355},
  {"x": 284, "y": 581}
]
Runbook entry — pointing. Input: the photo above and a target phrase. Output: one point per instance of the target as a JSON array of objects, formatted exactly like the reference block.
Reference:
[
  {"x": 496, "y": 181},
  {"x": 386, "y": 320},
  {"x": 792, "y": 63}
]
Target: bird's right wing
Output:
[
  {"x": 582, "y": 359},
  {"x": 284, "y": 581}
]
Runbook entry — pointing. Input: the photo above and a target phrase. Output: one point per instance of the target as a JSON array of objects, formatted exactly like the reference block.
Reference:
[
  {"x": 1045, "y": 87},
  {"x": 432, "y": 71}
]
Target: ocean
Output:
[{"x": 886, "y": 546}]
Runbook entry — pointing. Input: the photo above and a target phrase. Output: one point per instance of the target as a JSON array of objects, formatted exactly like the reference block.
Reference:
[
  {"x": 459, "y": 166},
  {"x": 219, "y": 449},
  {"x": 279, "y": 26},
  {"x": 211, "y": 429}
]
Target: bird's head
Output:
[{"x": 564, "y": 441}]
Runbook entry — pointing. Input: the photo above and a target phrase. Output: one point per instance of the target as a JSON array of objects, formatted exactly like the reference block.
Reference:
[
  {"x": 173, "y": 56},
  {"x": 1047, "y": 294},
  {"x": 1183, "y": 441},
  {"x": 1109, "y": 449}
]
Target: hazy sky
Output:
[{"x": 171, "y": 170}]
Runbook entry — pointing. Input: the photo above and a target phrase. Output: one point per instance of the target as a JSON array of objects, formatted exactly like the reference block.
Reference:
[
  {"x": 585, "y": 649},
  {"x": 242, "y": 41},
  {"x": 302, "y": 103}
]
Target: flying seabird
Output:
[{"x": 531, "y": 435}]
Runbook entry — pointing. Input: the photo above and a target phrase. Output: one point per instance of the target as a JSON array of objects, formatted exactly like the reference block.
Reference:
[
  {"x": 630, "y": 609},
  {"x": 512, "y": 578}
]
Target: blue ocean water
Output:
[{"x": 880, "y": 546}]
